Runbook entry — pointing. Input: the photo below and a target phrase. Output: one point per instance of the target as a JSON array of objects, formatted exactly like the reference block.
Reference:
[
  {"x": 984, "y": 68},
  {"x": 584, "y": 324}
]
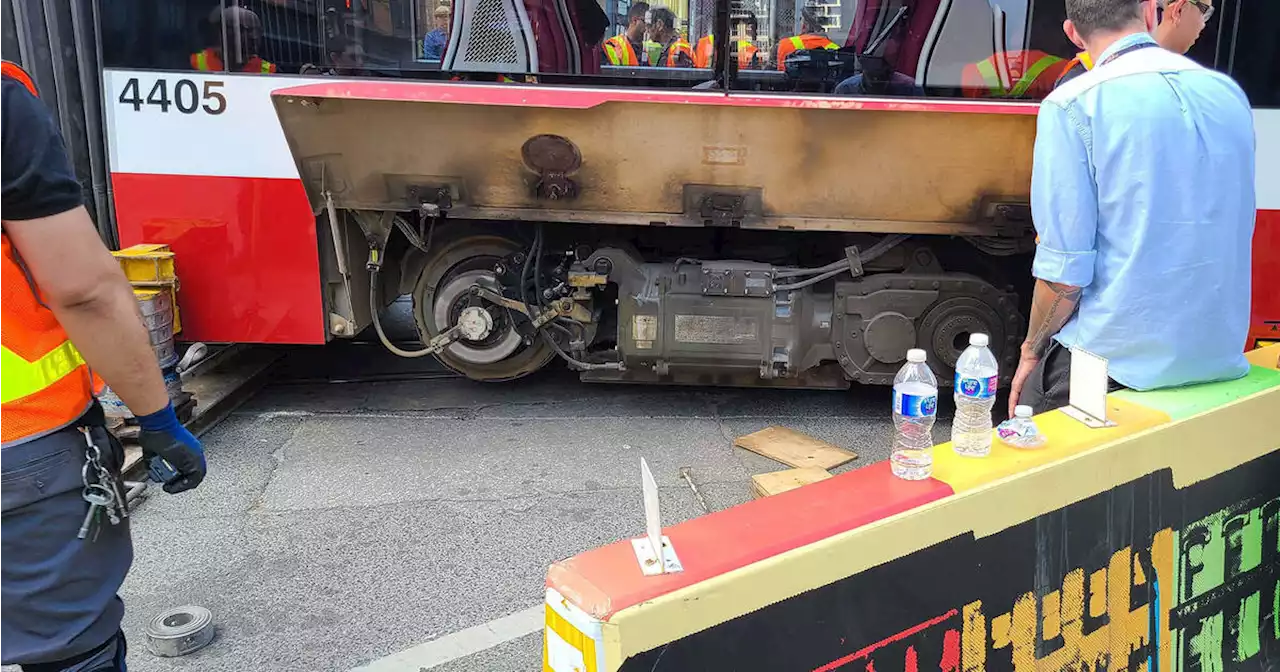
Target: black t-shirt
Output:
[{"x": 38, "y": 178}]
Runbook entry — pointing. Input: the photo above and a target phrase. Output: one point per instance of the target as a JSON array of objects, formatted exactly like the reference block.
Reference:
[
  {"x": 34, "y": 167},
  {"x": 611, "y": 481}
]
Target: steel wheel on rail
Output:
[{"x": 491, "y": 349}]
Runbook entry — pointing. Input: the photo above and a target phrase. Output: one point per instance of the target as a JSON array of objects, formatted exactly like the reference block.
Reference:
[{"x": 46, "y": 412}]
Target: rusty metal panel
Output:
[{"x": 815, "y": 168}]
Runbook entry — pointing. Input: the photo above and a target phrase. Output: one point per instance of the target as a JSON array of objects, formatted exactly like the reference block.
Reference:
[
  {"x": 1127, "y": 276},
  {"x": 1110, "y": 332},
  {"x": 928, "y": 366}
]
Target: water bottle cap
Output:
[
  {"x": 979, "y": 340},
  {"x": 916, "y": 355},
  {"x": 1021, "y": 411}
]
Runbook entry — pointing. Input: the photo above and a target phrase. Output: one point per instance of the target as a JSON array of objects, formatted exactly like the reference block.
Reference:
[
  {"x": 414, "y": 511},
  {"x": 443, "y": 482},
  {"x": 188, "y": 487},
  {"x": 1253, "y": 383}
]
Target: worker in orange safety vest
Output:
[
  {"x": 812, "y": 36},
  {"x": 1012, "y": 74},
  {"x": 627, "y": 49},
  {"x": 748, "y": 54},
  {"x": 243, "y": 33},
  {"x": 676, "y": 52},
  {"x": 67, "y": 307}
]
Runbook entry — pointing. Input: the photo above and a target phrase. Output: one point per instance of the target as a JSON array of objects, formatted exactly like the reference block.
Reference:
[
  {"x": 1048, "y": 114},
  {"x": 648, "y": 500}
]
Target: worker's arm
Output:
[
  {"x": 84, "y": 287},
  {"x": 1064, "y": 207},
  {"x": 57, "y": 243},
  {"x": 77, "y": 278}
]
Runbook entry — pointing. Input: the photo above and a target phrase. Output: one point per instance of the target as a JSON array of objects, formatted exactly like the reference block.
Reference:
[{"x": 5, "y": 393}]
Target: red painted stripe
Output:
[
  {"x": 867, "y": 650},
  {"x": 605, "y": 580},
  {"x": 1265, "y": 322},
  {"x": 582, "y": 98},
  {"x": 246, "y": 253}
]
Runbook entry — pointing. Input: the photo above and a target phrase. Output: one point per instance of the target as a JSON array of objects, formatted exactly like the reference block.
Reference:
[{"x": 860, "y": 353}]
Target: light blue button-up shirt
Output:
[{"x": 1142, "y": 191}]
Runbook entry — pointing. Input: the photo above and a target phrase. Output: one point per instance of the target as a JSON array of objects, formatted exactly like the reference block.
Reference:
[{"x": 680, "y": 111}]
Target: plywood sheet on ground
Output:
[
  {"x": 772, "y": 483},
  {"x": 794, "y": 449}
]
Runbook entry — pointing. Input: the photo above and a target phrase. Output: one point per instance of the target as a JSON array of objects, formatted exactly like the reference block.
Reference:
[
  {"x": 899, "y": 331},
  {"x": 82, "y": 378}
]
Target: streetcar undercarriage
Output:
[{"x": 496, "y": 301}]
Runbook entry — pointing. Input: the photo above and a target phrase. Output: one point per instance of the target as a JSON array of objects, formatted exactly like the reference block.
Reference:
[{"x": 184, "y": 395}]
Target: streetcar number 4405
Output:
[{"x": 188, "y": 98}]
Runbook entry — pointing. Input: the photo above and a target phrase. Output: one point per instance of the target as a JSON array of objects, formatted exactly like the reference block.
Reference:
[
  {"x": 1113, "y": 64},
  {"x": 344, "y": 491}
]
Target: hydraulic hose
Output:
[
  {"x": 794, "y": 272},
  {"x": 836, "y": 268},
  {"x": 811, "y": 281},
  {"x": 529, "y": 264},
  {"x": 377, "y": 325}
]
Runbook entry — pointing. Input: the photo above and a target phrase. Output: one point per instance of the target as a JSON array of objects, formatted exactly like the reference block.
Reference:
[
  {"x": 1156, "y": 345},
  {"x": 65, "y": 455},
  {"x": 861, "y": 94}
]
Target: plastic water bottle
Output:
[
  {"x": 915, "y": 406},
  {"x": 1021, "y": 431},
  {"x": 977, "y": 377}
]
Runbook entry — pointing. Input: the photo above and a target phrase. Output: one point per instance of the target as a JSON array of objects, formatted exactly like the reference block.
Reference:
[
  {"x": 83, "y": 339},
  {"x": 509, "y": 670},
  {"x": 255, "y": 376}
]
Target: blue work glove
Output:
[{"x": 174, "y": 456}]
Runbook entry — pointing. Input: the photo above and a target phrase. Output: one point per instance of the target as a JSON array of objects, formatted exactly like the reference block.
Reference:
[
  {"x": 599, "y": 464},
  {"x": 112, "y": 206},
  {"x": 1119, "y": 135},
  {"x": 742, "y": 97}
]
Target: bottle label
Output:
[
  {"x": 977, "y": 388},
  {"x": 915, "y": 405}
]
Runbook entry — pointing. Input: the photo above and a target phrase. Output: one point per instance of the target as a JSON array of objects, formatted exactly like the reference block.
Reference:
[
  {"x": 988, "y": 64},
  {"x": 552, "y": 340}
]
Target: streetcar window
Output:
[
  {"x": 155, "y": 35},
  {"x": 628, "y": 42},
  {"x": 1007, "y": 49},
  {"x": 1255, "y": 58}
]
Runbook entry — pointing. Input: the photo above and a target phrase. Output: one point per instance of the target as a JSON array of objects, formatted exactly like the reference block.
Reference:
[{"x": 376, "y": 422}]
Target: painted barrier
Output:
[{"x": 1149, "y": 546}]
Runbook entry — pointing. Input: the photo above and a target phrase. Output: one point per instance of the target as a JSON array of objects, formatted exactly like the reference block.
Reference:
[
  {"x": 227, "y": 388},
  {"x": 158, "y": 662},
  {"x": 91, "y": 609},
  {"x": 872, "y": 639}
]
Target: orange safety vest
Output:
[
  {"x": 668, "y": 58},
  {"x": 707, "y": 45},
  {"x": 44, "y": 383},
  {"x": 1082, "y": 60},
  {"x": 1035, "y": 80},
  {"x": 800, "y": 42},
  {"x": 619, "y": 51},
  {"x": 209, "y": 60}
]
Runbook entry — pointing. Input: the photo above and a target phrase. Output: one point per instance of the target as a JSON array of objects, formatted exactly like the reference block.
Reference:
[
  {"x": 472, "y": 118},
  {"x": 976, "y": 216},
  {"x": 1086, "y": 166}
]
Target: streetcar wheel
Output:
[{"x": 491, "y": 349}]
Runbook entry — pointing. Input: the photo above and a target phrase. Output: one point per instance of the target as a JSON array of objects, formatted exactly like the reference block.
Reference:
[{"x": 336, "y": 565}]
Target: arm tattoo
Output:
[{"x": 1051, "y": 306}]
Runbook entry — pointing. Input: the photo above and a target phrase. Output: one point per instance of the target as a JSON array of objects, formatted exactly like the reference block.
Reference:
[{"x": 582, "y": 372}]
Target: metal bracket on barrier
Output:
[
  {"x": 654, "y": 551},
  {"x": 1087, "y": 400}
]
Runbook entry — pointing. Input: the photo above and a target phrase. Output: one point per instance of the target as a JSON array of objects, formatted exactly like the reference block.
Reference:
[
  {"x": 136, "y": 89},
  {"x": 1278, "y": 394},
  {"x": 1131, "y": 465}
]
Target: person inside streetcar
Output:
[
  {"x": 242, "y": 31},
  {"x": 627, "y": 48},
  {"x": 675, "y": 50}
]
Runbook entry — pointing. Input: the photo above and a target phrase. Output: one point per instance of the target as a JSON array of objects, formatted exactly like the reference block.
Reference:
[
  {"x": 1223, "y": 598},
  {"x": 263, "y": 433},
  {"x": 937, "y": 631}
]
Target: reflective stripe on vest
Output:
[
  {"x": 676, "y": 48},
  {"x": 208, "y": 61},
  {"x": 798, "y": 42},
  {"x": 23, "y": 378},
  {"x": 988, "y": 71},
  {"x": 45, "y": 384},
  {"x": 802, "y": 42},
  {"x": 618, "y": 49}
]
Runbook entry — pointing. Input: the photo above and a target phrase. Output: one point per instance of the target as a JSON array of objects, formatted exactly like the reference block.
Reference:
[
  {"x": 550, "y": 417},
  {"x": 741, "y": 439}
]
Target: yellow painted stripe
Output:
[
  {"x": 572, "y": 636},
  {"x": 22, "y": 378},
  {"x": 1237, "y": 433},
  {"x": 1065, "y": 437}
]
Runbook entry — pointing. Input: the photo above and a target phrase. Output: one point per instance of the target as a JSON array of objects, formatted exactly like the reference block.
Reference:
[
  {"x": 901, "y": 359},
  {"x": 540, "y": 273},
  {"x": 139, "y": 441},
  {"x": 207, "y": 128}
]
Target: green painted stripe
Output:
[{"x": 1184, "y": 402}]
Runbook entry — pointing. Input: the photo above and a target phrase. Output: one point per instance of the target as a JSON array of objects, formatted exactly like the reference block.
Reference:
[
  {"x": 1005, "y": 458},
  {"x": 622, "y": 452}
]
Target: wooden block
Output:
[
  {"x": 763, "y": 485},
  {"x": 794, "y": 449},
  {"x": 132, "y": 457},
  {"x": 126, "y": 432}
]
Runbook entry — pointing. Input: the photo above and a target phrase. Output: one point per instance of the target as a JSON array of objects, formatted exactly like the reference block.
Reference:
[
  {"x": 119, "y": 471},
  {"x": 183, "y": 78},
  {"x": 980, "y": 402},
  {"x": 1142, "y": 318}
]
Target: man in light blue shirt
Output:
[{"x": 1142, "y": 195}]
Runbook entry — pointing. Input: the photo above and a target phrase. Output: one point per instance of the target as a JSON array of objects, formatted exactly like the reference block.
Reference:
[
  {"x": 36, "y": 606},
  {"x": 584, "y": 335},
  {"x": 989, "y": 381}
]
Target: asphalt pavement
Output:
[{"x": 344, "y": 522}]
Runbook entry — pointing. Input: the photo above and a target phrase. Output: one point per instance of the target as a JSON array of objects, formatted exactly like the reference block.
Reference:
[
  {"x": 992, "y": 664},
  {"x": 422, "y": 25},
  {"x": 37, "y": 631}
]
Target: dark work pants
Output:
[
  {"x": 58, "y": 608},
  {"x": 1049, "y": 386}
]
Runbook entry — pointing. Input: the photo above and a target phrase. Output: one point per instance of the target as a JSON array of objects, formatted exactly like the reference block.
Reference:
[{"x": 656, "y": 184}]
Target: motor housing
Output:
[{"x": 724, "y": 322}]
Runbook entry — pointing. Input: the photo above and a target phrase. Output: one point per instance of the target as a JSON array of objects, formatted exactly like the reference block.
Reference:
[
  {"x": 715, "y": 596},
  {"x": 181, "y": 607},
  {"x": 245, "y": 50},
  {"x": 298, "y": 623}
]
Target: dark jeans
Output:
[
  {"x": 58, "y": 604},
  {"x": 109, "y": 657},
  {"x": 1049, "y": 386}
]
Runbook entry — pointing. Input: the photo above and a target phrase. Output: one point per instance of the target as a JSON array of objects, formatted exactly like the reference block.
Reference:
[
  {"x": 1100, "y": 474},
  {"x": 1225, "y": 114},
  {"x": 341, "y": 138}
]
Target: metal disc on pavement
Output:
[{"x": 180, "y": 631}]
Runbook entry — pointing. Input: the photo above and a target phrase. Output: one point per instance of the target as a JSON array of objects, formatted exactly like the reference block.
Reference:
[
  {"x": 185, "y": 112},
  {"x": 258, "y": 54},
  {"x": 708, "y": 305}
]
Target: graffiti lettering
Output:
[{"x": 1201, "y": 599}]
